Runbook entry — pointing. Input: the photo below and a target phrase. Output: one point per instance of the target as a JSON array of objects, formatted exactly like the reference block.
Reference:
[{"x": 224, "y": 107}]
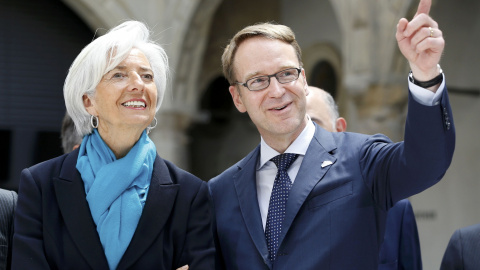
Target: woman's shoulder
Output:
[
  {"x": 54, "y": 165},
  {"x": 178, "y": 175}
]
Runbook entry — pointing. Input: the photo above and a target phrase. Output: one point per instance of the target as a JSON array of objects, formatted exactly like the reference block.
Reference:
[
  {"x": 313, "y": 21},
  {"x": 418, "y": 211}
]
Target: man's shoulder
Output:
[
  {"x": 226, "y": 176},
  {"x": 471, "y": 232}
]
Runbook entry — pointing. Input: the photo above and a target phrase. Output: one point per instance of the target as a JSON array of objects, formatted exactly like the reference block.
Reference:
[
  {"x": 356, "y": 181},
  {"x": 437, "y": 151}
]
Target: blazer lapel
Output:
[
  {"x": 71, "y": 197},
  {"x": 309, "y": 174},
  {"x": 160, "y": 201},
  {"x": 245, "y": 186}
]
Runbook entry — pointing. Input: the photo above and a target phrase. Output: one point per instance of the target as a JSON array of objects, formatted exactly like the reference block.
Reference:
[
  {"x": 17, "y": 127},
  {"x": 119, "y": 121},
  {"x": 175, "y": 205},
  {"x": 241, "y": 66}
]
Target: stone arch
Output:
[
  {"x": 186, "y": 81},
  {"x": 327, "y": 54}
]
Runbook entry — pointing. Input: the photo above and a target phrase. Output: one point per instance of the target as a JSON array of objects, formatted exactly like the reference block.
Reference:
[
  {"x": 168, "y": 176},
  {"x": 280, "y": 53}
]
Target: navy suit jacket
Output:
[
  {"x": 335, "y": 215},
  {"x": 463, "y": 250},
  {"x": 401, "y": 246},
  {"x": 54, "y": 228},
  {"x": 8, "y": 202}
]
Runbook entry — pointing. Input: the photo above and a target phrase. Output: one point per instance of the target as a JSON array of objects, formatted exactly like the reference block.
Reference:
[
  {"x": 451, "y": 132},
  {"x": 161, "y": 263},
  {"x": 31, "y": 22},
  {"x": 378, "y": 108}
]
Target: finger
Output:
[
  {"x": 418, "y": 22},
  {"x": 425, "y": 33},
  {"x": 424, "y": 7},
  {"x": 401, "y": 26},
  {"x": 432, "y": 45}
]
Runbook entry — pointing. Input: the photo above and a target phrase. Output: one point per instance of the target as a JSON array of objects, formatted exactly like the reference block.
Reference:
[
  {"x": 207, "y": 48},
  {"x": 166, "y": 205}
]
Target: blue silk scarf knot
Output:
[{"x": 116, "y": 189}]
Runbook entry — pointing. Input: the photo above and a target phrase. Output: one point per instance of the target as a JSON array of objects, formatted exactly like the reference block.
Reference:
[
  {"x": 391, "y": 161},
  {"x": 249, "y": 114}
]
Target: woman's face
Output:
[{"x": 126, "y": 97}]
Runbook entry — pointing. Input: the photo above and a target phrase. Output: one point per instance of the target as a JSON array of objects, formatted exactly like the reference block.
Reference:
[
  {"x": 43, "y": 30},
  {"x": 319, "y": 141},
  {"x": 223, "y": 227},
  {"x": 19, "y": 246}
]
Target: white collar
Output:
[{"x": 298, "y": 146}]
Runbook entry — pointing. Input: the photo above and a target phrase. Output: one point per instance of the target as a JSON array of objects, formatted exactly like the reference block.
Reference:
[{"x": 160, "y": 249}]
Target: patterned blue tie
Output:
[{"x": 278, "y": 202}]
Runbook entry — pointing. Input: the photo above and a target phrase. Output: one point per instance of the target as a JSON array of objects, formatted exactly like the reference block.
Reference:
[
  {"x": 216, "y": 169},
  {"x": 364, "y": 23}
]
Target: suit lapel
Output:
[
  {"x": 245, "y": 186},
  {"x": 160, "y": 201},
  {"x": 71, "y": 197},
  {"x": 309, "y": 174}
]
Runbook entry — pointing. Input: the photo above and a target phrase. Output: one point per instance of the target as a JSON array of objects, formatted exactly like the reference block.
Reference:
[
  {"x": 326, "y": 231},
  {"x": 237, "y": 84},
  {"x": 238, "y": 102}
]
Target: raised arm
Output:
[{"x": 421, "y": 42}]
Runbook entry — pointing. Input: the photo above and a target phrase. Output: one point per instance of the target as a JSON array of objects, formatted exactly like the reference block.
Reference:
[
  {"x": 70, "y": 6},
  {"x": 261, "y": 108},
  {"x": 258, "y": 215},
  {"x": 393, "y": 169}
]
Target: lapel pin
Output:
[{"x": 326, "y": 163}]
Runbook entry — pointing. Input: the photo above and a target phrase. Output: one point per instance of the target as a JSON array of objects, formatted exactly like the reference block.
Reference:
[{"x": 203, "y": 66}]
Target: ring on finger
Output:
[{"x": 431, "y": 31}]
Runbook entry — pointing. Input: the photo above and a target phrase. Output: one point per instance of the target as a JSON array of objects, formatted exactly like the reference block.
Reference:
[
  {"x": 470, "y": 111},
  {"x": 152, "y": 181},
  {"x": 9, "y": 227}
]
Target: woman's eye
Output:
[
  {"x": 117, "y": 75},
  {"x": 148, "y": 76}
]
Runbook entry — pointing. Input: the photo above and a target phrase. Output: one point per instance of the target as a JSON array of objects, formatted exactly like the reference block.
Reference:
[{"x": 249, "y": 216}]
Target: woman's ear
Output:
[{"x": 88, "y": 103}]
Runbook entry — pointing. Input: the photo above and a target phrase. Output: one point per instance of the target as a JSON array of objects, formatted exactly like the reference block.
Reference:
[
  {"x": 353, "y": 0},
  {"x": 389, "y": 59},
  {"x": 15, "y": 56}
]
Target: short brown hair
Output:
[{"x": 267, "y": 30}]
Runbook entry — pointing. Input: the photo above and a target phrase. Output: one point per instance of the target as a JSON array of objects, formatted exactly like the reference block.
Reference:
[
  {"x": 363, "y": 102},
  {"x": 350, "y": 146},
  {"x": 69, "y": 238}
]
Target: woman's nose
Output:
[{"x": 136, "y": 81}]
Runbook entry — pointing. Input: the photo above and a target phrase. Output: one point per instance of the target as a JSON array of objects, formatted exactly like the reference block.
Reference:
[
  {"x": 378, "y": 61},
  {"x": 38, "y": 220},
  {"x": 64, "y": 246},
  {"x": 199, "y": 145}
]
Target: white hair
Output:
[
  {"x": 104, "y": 54},
  {"x": 332, "y": 107}
]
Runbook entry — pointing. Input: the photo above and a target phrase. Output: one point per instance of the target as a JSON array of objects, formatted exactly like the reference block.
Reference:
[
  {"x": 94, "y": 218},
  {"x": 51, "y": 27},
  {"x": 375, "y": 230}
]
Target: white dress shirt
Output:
[{"x": 266, "y": 169}]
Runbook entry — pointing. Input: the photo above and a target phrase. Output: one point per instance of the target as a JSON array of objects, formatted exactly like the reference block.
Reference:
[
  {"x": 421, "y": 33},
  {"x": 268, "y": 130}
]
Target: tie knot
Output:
[{"x": 284, "y": 161}]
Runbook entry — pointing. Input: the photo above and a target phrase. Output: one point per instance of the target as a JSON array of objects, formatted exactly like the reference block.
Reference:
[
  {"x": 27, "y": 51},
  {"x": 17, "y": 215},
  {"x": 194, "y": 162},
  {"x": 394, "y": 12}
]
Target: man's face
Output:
[
  {"x": 318, "y": 111},
  {"x": 278, "y": 111}
]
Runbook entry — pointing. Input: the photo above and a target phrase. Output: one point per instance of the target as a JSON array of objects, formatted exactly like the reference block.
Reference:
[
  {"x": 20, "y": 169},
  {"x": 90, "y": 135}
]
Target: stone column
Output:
[
  {"x": 375, "y": 72},
  {"x": 170, "y": 137}
]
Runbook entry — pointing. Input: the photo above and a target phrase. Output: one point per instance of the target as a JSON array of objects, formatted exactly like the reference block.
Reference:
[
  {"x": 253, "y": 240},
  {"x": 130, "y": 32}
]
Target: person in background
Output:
[
  {"x": 8, "y": 202},
  {"x": 113, "y": 203},
  {"x": 71, "y": 140},
  {"x": 463, "y": 250},
  {"x": 306, "y": 198},
  {"x": 401, "y": 246}
]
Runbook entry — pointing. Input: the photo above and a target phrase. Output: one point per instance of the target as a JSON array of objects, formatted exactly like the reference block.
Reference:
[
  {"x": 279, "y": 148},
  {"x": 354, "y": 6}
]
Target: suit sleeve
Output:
[
  {"x": 199, "y": 249},
  {"x": 410, "y": 257},
  {"x": 452, "y": 259},
  {"x": 8, "y": 201},
  {"x": 394, "y": 171},
  {"x": 28, "y": 249},
  {"x": 219, "y": 263}
]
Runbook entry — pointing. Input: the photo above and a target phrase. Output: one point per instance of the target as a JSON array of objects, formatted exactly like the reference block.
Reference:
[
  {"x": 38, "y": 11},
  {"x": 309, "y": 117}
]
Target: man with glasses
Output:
[{"x": 306, "y": 198}]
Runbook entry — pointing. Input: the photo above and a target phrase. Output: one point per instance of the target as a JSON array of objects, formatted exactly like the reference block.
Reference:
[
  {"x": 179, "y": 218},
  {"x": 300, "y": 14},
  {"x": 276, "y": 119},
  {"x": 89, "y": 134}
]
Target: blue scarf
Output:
[{"x": 116, "y": 189}]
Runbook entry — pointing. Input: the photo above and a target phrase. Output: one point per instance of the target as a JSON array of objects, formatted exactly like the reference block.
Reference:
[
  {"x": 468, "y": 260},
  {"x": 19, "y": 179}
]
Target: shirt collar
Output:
[{"x": 299, "y": 145}]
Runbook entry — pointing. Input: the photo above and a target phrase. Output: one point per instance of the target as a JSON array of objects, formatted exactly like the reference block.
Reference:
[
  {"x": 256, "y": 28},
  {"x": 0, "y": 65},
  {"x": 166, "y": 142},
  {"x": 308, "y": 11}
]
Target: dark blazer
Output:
[
  {"x": 401, "y": 246},
  {"x": 8, "y": 202},
  {"x": 335, "y": 215},
  {"x": 463, "y": 250},
  {"x": 55, "y": 230}
]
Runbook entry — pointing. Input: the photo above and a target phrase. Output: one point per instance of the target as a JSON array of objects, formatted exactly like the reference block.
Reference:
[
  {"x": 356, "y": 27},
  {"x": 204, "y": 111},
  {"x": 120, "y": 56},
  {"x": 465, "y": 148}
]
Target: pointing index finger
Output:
[{"x": 424, "y": 7}]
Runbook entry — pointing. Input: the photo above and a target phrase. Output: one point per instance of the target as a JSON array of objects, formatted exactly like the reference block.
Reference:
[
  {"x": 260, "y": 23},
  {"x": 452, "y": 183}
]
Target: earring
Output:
[
  {"x": 92, "y": 118},
  {"x": 149, "y": 128}
]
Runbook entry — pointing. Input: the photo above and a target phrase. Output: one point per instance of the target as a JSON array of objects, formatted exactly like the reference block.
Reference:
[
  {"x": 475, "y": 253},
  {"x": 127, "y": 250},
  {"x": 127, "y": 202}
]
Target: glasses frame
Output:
[{"x": 299, "y": 69}]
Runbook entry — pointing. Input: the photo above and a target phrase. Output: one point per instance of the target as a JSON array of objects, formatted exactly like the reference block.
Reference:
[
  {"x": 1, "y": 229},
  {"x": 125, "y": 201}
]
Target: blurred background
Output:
[{"x": 349, "y": 49}]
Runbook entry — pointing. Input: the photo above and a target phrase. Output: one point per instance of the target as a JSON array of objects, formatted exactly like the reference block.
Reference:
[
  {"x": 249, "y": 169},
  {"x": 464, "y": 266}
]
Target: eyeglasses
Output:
[{"x": 262, "y": 82}]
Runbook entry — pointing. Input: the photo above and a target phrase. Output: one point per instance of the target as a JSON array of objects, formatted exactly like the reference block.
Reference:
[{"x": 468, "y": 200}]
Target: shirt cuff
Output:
[{"x": 424, "y": 96}]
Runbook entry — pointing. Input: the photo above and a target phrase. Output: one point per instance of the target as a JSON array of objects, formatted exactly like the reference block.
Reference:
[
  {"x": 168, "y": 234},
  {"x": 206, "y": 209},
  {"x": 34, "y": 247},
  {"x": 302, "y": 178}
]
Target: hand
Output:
[
  {"x": 421, "y": 46},
  {"x": 185, "y": 267}
]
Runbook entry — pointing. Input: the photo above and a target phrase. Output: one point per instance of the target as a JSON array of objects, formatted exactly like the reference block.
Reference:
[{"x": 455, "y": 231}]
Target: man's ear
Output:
[
  {"x": 88, "y": 103},
  {"x": 341, "y": 124},
  {"x": 305, "y": 84},
  {"x": 237, "y": 99}
]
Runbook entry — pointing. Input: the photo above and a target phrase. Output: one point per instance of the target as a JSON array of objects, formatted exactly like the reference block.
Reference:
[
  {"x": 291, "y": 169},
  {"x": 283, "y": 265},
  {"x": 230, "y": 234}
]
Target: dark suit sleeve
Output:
[
  {"x": 28, "y": 249},
  {"x": 199, "y": 250},
  {"x": 8, "y": 201},
  {"x": 395, "y": 171},
  {"x": 219, "y": 263},
  {"x": 410, "y": 257},
  {"x": 452, "y": 259}
]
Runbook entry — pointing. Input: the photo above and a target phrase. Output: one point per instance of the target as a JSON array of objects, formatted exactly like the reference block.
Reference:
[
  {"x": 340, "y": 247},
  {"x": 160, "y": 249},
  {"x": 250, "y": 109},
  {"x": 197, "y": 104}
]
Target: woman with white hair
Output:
[{"x": 113, "y": 203}]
